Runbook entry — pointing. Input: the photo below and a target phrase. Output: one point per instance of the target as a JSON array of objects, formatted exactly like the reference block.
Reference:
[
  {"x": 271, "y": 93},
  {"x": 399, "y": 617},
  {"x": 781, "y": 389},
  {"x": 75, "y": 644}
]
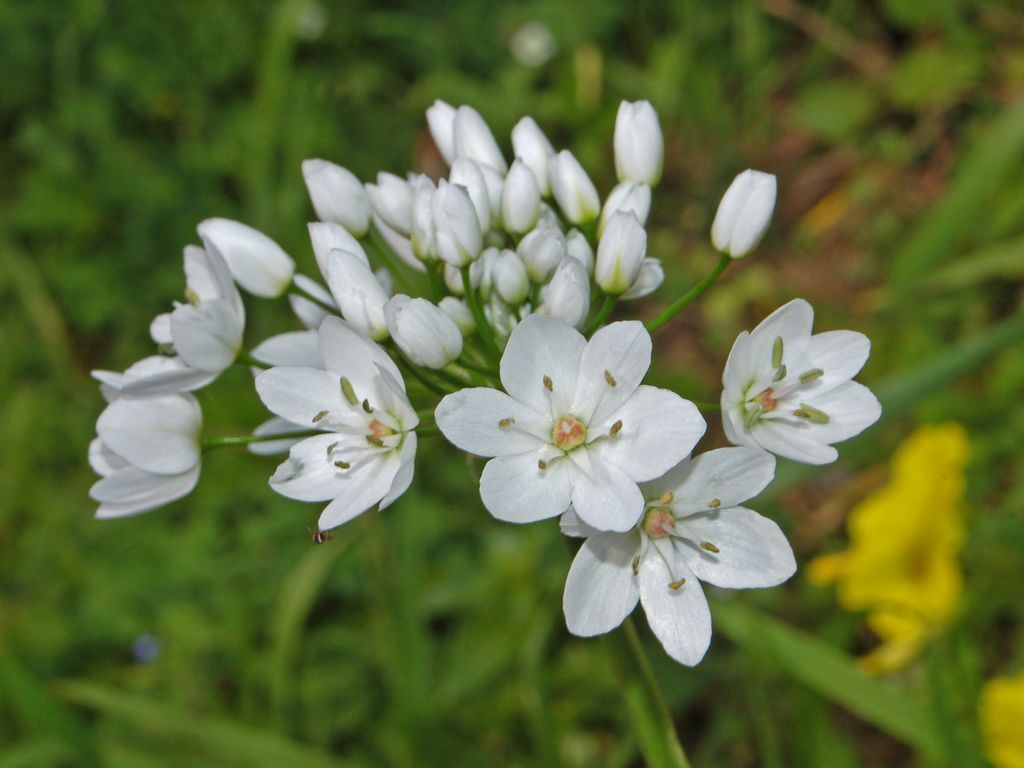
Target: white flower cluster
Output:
[{"x": 513, "y": 359}]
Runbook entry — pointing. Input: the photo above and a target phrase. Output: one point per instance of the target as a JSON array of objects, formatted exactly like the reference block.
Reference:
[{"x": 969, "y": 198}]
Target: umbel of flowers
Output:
[{"x": 511, "y": 356}]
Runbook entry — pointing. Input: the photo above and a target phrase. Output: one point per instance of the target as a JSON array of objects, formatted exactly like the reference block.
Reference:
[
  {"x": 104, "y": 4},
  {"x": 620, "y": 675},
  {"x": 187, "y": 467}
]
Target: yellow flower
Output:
[
  {"x": 1002, "y": 713},
  {"x": 901, "y": 565}
]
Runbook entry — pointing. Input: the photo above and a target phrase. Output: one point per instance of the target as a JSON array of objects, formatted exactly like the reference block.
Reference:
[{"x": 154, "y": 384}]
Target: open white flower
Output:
[
  {"x": 257, "y": 263},
  {"x": 575, "y": 427},
  {"x": 790, "y": 393},
  {"x": 365, "y": 455},
  {"x": 692, "y": 530},
  {"x": 147, "y": 453}
]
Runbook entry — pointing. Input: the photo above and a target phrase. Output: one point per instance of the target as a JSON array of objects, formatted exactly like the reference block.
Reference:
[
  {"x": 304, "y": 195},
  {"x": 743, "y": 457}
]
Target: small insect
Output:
[{"x": 319, "y": 537}]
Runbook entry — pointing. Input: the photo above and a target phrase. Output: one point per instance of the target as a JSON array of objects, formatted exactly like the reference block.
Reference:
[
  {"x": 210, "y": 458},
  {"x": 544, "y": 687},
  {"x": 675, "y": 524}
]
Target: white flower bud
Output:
[
  {"x": 459, "y": 312},
  {"x": 327, "y": 236},
  {"x": 541, "y": 250},
  {"x": 531, "y": 146},
  {"x": 399, "y": 245},
  {"x": 358, "y": 293},
  {"x": 441, "y": 120},
  {"x": 509, "y": 278},
  {"x": 572, "y": 188},
  {"x": 391, "y": 198},
  {"x": 744, "y": 213},
  {"x": 423, "y": 332},
  {"x": 620, "y": 253},
  {"x": 648, "y": 281},
  {"x": 548, "y": 217},
  {"x": 456, "y": 227},
  {"x": 477, "y": 270},
  {"x": 310, "y": 313},
  {"x": 520, "y": 199},
  {"x": 639, "y": 146},
  {"x": 337, "y": 195},
  {"x": 473, "y": 139},
  {"x": 468, "y": 174},
  {"x": 626, "y": 196},
  {"x": 501, "y": 319},
  {"x": 577, "y": 246},
  {"x": 567, "y": 296},
  {"x": 257, "y": 263},
  {"x": 384, "y": 277},
  {"x": 423, "y": 240}
]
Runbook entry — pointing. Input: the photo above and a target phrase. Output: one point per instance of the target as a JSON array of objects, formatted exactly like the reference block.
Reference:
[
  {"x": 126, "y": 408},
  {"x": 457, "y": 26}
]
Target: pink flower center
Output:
[
  {"x": 568, "y": 433},
  {"x": 379, "y": 430},
  {"x": 659, "y": 523},
  {"x": 766, "y": 401}
]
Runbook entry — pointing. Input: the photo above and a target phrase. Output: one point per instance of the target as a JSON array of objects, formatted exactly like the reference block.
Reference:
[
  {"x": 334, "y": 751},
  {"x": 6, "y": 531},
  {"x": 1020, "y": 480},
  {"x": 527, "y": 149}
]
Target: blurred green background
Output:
[{"x": 432, "y": 635}]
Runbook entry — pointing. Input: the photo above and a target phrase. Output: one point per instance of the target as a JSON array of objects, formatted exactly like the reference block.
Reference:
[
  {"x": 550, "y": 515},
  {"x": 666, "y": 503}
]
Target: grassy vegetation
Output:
[{"x": 430, "y": 634}]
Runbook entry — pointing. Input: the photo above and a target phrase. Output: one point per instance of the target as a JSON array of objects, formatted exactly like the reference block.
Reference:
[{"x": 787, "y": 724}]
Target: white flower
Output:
[
  {"x": 147, "y": 453},
  {"x": 257, "y": 263},
  {"x": 358, "y": 293},
  {"x": 648, "y": 280},
  {"x": 509, "y": 278},
  {"x": 469, "y": 174},
  {"x": 639, "y": 146},
  {"x": 520, "y": 199},
  {"x": 311, "y": 313},
  {"x": 422, "y": 238},
  {"x": 423, "y": 332},
  {"x": 500, "y": 317},
  {"x": 337, "y": 195},
  {"x": 441, "y": 121},
  {"x": 620, "y": 253},
  {"x": 567, "y": 296},
  {"x": 205, "y": 333},
  {"x": 457, "y": 230},
  {"x": 365, "y": 455},
  {"x": 459, "y": 312},
  {"x": 398, "y": 244},
  {"x": 572, "y": 188},
  {"x": 473, "y": 139},
  {"x": 575, "y": 427},
  {"x": 530, "y": 145},
  {"x": 577, "y": 246},
  {"x": 326, "y": 236},
  {"x": 391, "y": 198},
  {"x": 791, "y": 393},
  {"x": 744, "y": 213},
  {"x": 692, "y": 530},
  {"x": 541, "y": 251},
  {"x": 626, "y": 196}
]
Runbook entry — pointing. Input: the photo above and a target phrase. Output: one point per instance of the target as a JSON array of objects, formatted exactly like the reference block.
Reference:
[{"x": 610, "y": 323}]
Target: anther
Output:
[
  {"x": 780, "y": 374},
  {"x": 547, "y": 384},
  {"x": 615, "y": 428},
  {"x": 667, "y": 498},
  {"x": 366, "y": 406},
  {"x": 610, "y": 379},
  {"x": 507, "y": 422},
  {"x": 811, "y": 413},
  {"x": 320, "y": 416},
  {"x": 675, "y": 585},
  {"x": 636, "y": 565},
  {"x": 330, "y": 448},
  {"x": 808, "y": 376},
  {"x": 707, "y": 546},
  {"x": 541, "y": 464},
  {"x": 375, "y": 441},
  {"x": 777, "y": 352},
  {"x": 342, "y": 464},
  {"x": 714, "y": 503},
  {"x": 348, "y": 391},
  {"x": 191, "y": 296}
]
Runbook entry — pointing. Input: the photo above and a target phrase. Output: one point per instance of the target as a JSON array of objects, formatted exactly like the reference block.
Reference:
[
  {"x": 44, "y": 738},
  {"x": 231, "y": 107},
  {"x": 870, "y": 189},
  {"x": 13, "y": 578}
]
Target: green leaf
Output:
[
  {"x": 1003, "y": 260},
  {"x": 830, "y": 673}
]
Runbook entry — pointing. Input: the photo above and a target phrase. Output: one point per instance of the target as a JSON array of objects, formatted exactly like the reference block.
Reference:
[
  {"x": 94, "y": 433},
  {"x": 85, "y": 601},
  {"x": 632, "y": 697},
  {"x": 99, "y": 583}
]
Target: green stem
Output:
[
  {"x": 606, "y": 309},
  {"x": 690, "y": 296},
  {"x": 709, "y": 407},
  {"x": 414, "y": 370},
  {"x": 248, "y": 359},
  {"x": 374, "y": 241},
  {"x": 431, "y": 431},
  {"x": 296, "y": 288},
  {"x": 210, "y": 443},
  {"x": 485, "y": 370},
  {"x": 483, "y": 328},
  {"x": 648, "y": 713}
]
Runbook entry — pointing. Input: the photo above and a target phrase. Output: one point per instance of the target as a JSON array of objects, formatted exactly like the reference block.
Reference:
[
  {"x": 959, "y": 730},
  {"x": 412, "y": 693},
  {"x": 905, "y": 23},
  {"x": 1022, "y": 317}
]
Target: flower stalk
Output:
[{"x": 690, "y": 296}]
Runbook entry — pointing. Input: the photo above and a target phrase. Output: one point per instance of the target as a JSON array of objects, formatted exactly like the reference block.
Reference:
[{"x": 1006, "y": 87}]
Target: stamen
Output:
[
  {"x": 375, "y": 441},
  {"x": 348, "y": 391},
  {"x": 636, "y": 565},
  {"x": 615, "y": 428},
  {"x": 811, "y": 413},
  {"x": 667, "y": 498},
  {"x": 541, "y": 464},
  {"x": 676, "y": 585},
  {"x": 191, "y": 296},
  {"x": 342, "y": 464},
  {"x": 751, "y": 415},
  {"x": 707, "y": 546},
  {"x": 506, "y": 422},
  {"x": 780, "y": 374},
  {"x": 808, "y": 376},
  {"x": 610, "y": 379},
  {"x": 715, "y": 503},
  {"x": 320, "y": 416},
  {"x": 366, "y": 406},
  {"x": 330, "y": 449},
  {"x": 777, "y": 352},
  {"x": 547, "y": 383}
]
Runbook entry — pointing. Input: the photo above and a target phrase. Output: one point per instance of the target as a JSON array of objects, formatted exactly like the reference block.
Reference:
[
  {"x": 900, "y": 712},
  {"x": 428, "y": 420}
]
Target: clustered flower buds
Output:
[{"x": 511, "y": 356}]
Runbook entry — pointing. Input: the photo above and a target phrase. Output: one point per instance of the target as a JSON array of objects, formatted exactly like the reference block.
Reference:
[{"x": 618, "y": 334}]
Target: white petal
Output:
[
  {"x": 796, "y": 442},
  {"x": 301, "y": 394},
  {"x": 309, "y": 472},
  {"x": 296, "y": 348},
  {"x": 103, "y": 460},
  {"x": 208, "y": 277},
  {"x": 740, "y": 370},
  {"x": 257, "y": 263},
  {"x": 752, "y": 550},
  {"x": 723, "y": 477},
  {"x": 471, "y": 420},
  {"x": 542, "y": 346},
  {"x": 840, "y": 354},
  {"x": 571, "y": 525},
  {"x": 207, "y": 337},
  {"x": 679, "y": 618},
  {"x": 621, "y": 351},
  {"x": 275, "y": 426},
  {"x": 792, "y": 322},
  {"x": 364, "y": 489},
  {"x": 515, "y": 489},
  {"x": 403, "y": 478},
  {"x": 658, "y": 430},
  {"x": 851, "y": 408},
  {"x": 328, "y": 236},
  {"x": 156, "y": 375},
  {"x": 347, "y": 352},
  {"x": 160, "y": 328},
  {"x": 130, "y": 491},
  {"x": 601, "y": 589},
  {"x": 156, "y": 434},
  {"x": 603, "y": 495}
]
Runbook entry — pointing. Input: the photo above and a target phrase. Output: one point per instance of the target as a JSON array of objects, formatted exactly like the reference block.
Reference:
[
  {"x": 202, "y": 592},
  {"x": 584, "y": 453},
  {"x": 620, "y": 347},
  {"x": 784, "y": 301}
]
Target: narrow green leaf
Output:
[{"x": 832, "y": 674}]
